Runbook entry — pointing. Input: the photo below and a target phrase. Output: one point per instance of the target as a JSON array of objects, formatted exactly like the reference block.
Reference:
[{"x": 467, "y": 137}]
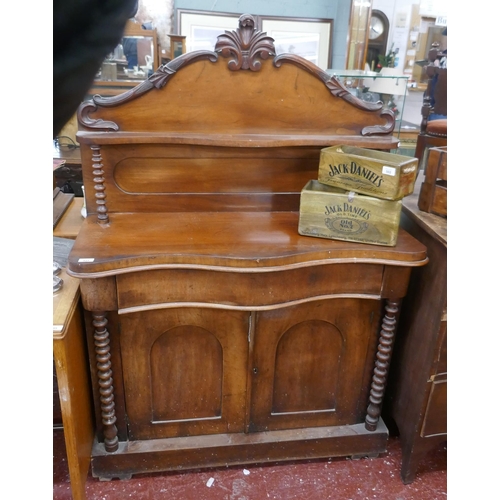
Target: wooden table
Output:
[
  {"x": 417, "y": 386},
  {"x": 70, "y": 223},
  {"x": 71, "y": 362}
]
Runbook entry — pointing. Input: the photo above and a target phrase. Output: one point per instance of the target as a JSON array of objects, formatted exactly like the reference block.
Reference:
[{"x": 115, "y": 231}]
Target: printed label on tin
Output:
[
  {"x": 346, "y": 218},
  {"x": 388, "y": 170}
]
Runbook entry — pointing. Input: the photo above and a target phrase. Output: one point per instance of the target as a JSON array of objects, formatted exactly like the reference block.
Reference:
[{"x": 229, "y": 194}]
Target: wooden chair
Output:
[{"x": 433, "y": 132}]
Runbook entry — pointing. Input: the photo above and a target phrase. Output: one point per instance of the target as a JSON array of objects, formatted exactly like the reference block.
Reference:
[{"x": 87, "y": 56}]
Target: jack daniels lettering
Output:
[
  {"x": 347, "y": 208},
  {"x": 355, "y": 169}
]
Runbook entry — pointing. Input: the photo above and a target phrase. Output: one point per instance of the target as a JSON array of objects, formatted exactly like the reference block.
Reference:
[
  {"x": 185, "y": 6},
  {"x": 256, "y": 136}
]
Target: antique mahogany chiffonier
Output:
[{"x": 217, "y": 334}]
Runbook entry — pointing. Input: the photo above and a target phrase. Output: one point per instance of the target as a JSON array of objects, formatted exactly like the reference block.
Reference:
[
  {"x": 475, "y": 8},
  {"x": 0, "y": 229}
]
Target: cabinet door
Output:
[
  {"x": 312, "y": 364},
  {"x": 184, "y": 371}
]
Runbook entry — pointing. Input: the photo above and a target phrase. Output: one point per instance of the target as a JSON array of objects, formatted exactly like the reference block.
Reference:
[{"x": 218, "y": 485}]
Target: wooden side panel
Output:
[
  {"x": 434, "y": 422},
  {"x": 310, "y": 364},
  {"x": 442, "y": 351},
  {"x": 171, "y": 169},
  {"x": 433, "y": 193},
  {"x": 185, "y": 177},
  {"x": 184, "y": 372},
  {"x": 70, "y": 357}
]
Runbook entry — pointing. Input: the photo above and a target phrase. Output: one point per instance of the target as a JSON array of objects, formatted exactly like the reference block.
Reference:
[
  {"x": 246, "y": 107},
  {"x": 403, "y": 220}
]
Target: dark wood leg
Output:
[
  {"x": 379, "y": 379},
  {"x": 412, "y": 454},
  {"x": 104, "y": 374}
]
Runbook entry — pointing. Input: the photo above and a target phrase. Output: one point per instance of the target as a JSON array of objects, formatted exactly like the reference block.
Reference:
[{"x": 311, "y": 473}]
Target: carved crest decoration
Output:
[{"x": 246, "y": 45}]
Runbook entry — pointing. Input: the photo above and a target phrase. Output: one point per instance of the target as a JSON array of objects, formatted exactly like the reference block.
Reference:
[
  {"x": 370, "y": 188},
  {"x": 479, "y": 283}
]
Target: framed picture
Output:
[
  {"x": 177, "y": 45},
  {"x": 202, "y": 28},
  {"x": 309, "y": 38}
]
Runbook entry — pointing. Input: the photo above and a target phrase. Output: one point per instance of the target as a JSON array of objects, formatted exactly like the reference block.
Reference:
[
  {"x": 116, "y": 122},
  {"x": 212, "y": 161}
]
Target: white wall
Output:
[
  {"x": 161, "y": 12},
  {"x": 395, "y": 9}
]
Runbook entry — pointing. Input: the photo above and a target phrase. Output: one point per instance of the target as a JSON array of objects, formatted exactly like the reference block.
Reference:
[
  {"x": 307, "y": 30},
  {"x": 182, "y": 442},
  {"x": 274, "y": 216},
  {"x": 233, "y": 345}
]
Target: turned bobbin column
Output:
[
  {"x": 99, "y": 186},
  {"x": 384, "y": 352},
  {"x": 105, "y": 380}
]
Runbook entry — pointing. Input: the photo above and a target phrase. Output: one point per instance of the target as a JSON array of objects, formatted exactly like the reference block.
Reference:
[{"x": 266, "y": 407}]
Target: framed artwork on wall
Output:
[
  {"x": 309, "y": 38},
  {"x": 201, "y": 28},
  {"x": 177, "y": 45}
]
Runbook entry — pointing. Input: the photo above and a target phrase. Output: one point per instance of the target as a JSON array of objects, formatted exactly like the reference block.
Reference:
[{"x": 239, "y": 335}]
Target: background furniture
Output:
[
  {"x": 73, "y": 404},
  {"x": 177, "y": 45},
  {"x": 220, "y": 335},
  {"x": 70, "y": 223},
  {"x": 67, "y": 170},
  {"x": 434, "y": 189},
  {"x": 117, "y": 72},
  {"x": 416, "y": 392},
  {"x": 378, "y": 33},
  {"x": 73, "y": 382},
  {"x": 433, "y": 132}
]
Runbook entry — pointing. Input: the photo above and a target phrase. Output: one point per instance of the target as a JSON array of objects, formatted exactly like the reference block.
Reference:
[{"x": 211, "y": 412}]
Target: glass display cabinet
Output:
[
  {"x": 388, "y": 86},
  {"x": 133, "y": 60}
]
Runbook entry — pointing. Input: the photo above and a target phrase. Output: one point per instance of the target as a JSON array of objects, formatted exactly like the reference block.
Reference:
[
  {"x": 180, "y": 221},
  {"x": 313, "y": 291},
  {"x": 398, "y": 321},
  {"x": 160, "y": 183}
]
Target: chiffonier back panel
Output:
[{"x": 221, "y": 131}]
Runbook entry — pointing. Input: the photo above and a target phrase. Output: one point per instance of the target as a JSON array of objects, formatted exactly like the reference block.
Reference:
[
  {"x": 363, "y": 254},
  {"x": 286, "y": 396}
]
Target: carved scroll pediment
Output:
[
  {"x": 336, "y": 89},
  {"x": 246, "y": 45},
  {"x": 246, "y": 48},
  {"x": 157, "y": 80}
]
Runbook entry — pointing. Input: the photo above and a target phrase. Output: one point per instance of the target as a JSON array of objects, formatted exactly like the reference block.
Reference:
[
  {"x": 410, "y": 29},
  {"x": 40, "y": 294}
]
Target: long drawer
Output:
[{"x": 172, "y": 287}]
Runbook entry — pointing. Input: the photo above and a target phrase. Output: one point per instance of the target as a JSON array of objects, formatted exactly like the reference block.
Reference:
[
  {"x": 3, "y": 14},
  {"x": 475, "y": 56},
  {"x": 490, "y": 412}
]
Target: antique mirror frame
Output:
[{"x": 117, "y": 74}]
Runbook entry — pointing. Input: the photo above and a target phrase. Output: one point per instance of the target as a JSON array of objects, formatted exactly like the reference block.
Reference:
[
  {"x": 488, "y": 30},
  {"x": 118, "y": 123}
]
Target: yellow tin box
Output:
[
  {"x": 337, "y": 214},
  {"x": 376, "y": 173}
]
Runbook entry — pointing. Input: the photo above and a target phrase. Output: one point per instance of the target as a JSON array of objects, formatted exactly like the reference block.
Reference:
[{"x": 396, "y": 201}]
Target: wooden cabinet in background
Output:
[
  {"x": 73, "y": 382},
  {"x": 134, "y": 59},
  {"x": 417, "y": 387}
]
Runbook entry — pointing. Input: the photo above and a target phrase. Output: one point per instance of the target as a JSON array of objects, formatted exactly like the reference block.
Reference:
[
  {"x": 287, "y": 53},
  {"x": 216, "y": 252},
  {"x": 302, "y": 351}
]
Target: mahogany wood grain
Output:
[
  {"x": 245, "y": 242},
  {"x": 186, "y": 374},
  {"x": 220, "y": 449},
  {"x": 221, "y": 335},
  {"x": 283, "y": 100},
  {"x": 252, "y": 291},
  {"x": 309, "y": 363}
]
